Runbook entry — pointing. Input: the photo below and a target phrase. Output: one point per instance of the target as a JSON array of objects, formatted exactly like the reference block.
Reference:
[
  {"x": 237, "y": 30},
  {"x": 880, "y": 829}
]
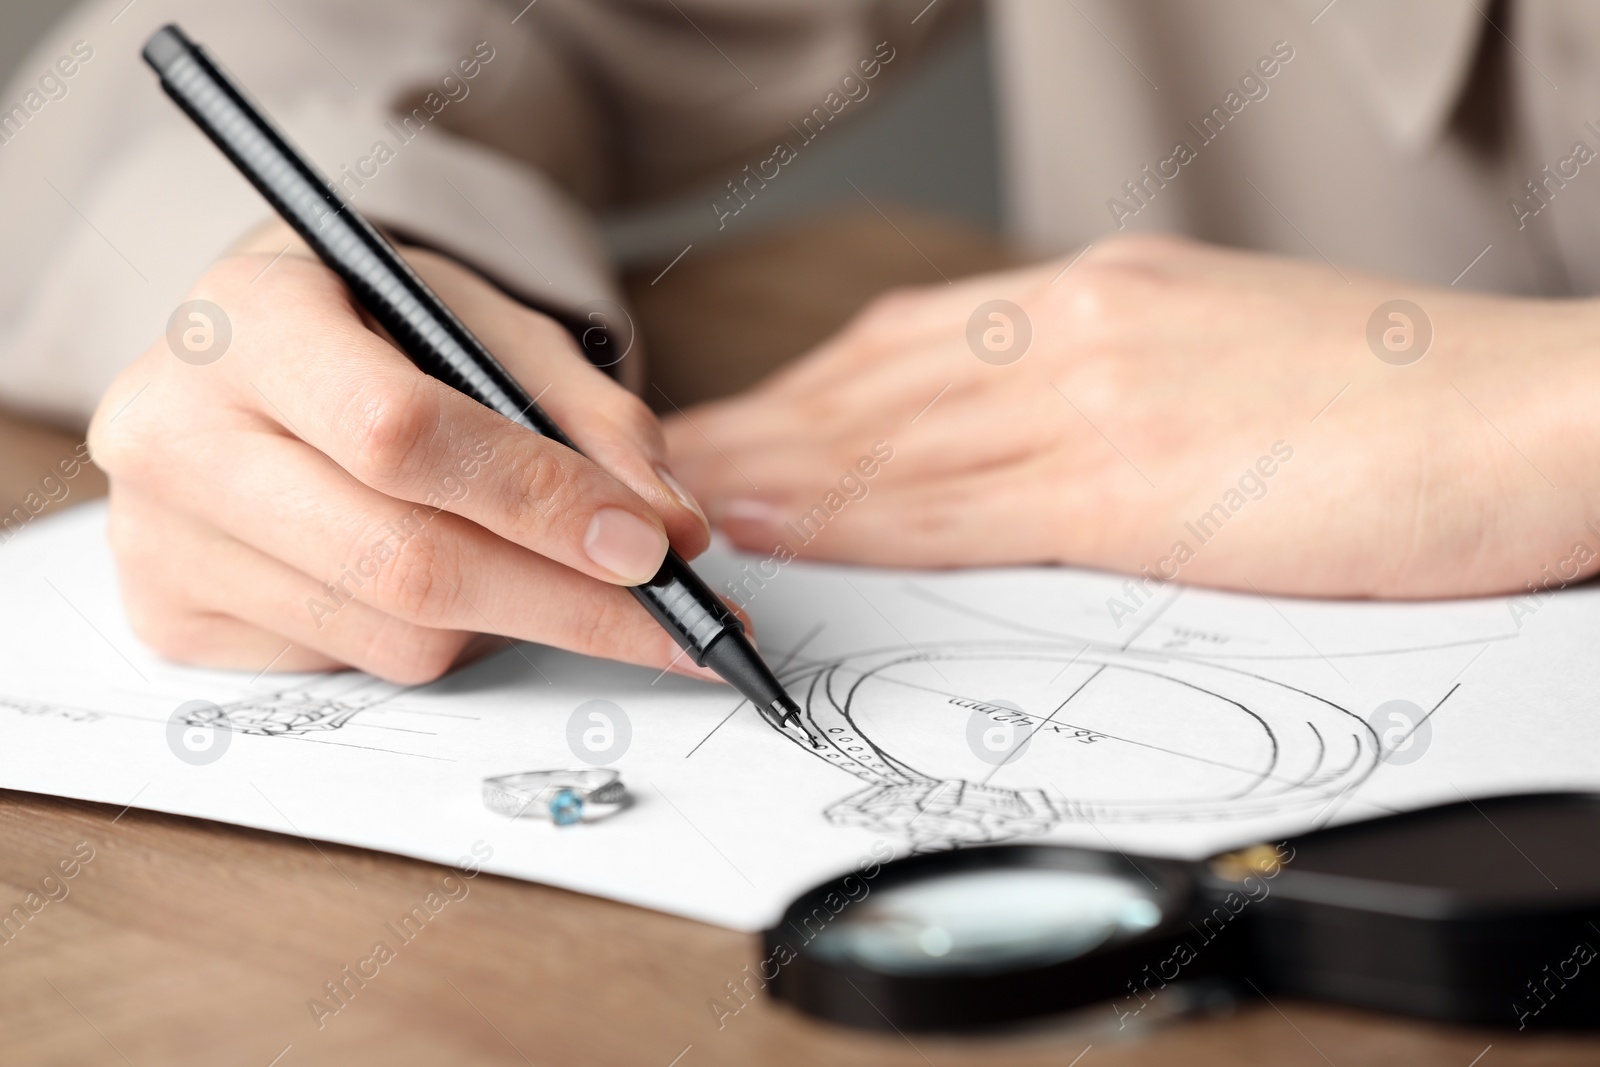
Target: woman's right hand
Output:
[{"x": 301, "y": 497}]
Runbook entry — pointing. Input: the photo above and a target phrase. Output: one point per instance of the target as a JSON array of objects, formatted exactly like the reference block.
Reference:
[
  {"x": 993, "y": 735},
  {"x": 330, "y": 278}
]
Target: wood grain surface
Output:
[{"x": 180, "y": 941}]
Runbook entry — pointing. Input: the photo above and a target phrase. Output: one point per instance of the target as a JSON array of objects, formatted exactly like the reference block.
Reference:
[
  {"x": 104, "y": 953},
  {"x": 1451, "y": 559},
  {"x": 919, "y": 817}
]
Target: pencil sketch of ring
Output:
[{"x": 564, "y": 797}]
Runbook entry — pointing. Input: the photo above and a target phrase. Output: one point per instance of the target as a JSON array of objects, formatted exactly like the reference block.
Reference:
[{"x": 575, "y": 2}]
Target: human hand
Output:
[
  {"x": 1182, "y": 411},
  {"x": 307, "y": 499}
]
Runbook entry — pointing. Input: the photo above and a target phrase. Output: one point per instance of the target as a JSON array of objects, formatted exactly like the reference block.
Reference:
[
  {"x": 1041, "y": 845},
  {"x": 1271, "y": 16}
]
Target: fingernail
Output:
[
  {"x": 625, "y": 545},
  {"x": 684, "y": 496}
]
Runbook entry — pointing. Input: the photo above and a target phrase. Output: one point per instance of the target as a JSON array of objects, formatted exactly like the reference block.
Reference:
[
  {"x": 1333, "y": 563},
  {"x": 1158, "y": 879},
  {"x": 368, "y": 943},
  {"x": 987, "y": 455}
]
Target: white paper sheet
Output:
[{"x": 1180, "y": 722}]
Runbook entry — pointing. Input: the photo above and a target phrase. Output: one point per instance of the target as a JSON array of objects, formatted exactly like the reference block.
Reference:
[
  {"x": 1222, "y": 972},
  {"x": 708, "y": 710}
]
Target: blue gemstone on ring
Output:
[{"x": 566, "y": 808}]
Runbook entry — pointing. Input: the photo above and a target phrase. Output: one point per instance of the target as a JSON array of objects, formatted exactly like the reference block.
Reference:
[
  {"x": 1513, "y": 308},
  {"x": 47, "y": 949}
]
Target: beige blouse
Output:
[{"x": 1410, "y": 137}]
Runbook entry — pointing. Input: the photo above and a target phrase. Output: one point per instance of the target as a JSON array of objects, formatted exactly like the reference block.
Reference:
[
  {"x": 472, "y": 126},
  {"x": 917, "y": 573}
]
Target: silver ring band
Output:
[{"x": 564, "y": 797}]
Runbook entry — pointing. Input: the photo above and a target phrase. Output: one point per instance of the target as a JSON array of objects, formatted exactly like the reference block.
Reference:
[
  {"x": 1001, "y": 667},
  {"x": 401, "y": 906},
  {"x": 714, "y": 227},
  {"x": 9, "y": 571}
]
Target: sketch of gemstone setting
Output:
[
  {"x": 34, "y": 707},
  {"x": 286, "y": 712},
  {"x": 1099, "y": 723},
  {"x": 293, "y": 712},
  {"x": 362, "y": 710}
]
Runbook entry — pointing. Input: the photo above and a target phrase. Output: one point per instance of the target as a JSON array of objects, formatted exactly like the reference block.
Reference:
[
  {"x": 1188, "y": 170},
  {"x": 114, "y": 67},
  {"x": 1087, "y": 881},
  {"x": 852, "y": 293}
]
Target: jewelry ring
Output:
[{"x": 563, "y": 797}]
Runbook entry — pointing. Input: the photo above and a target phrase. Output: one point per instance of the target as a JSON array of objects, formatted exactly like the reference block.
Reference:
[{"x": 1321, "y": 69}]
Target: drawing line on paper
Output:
[{"x": 1178, "y": 643}]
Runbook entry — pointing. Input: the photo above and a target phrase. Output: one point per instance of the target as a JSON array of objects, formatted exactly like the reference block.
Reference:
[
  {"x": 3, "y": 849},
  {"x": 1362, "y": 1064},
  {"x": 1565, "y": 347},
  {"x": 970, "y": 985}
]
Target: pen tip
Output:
[
  {"x": 732, "y": 657},
  {"x": 790, "y": 722}
]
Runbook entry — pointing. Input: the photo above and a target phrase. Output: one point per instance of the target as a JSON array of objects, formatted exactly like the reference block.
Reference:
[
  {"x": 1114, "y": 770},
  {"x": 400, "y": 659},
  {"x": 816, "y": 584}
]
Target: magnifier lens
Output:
[{"x": 979, "y": 920}]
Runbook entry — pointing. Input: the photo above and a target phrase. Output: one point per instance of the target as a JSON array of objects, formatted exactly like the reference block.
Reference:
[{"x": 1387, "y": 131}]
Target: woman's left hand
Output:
[{"x": 1166, "y": 407}]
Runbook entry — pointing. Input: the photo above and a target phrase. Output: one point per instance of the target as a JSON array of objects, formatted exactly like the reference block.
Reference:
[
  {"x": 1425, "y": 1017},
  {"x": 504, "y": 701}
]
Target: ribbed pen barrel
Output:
[
  {"x": 425, "y": 329},
  {"x": 683, "y": 603}
]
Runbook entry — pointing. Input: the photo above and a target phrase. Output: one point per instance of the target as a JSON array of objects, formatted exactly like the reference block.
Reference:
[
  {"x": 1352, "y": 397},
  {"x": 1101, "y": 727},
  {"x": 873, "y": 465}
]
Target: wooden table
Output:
[{"x": 188, "y": 942}]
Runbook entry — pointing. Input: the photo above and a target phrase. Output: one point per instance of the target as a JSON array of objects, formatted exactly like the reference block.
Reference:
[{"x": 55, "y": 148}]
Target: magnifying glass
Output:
[{"x": 1484, "y": 911}]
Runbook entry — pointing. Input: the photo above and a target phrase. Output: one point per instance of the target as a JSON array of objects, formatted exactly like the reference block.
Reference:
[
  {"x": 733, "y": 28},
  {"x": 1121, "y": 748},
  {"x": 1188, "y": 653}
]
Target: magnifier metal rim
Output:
[
  {"x": 850, "y": 992},
  {"x": 989, "y": 919}
]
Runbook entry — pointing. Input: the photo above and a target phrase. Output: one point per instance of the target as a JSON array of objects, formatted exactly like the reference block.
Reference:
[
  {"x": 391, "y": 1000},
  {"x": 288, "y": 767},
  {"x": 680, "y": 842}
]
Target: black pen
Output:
[{"x": 437, "y": 342}]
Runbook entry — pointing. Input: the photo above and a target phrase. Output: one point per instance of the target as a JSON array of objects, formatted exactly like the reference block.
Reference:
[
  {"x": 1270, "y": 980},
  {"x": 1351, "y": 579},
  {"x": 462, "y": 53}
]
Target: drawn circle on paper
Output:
[
  {"x": 1128, "y": 738},
  {"x": 999, "y": 332},
  {"x": 198, "y": 733},
  {"x": 199, "y": 332},
  {"x": 1399, "y": 332},
  {"x": 1403, "y": 729},
  {"x": 998, "y": 731},
  {"x": 599, "y": 732}
]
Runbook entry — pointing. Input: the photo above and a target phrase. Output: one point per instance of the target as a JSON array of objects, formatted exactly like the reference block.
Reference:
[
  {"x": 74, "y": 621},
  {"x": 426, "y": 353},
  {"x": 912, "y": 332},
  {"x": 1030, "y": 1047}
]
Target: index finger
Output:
[{"x": 338, "y": 386}]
